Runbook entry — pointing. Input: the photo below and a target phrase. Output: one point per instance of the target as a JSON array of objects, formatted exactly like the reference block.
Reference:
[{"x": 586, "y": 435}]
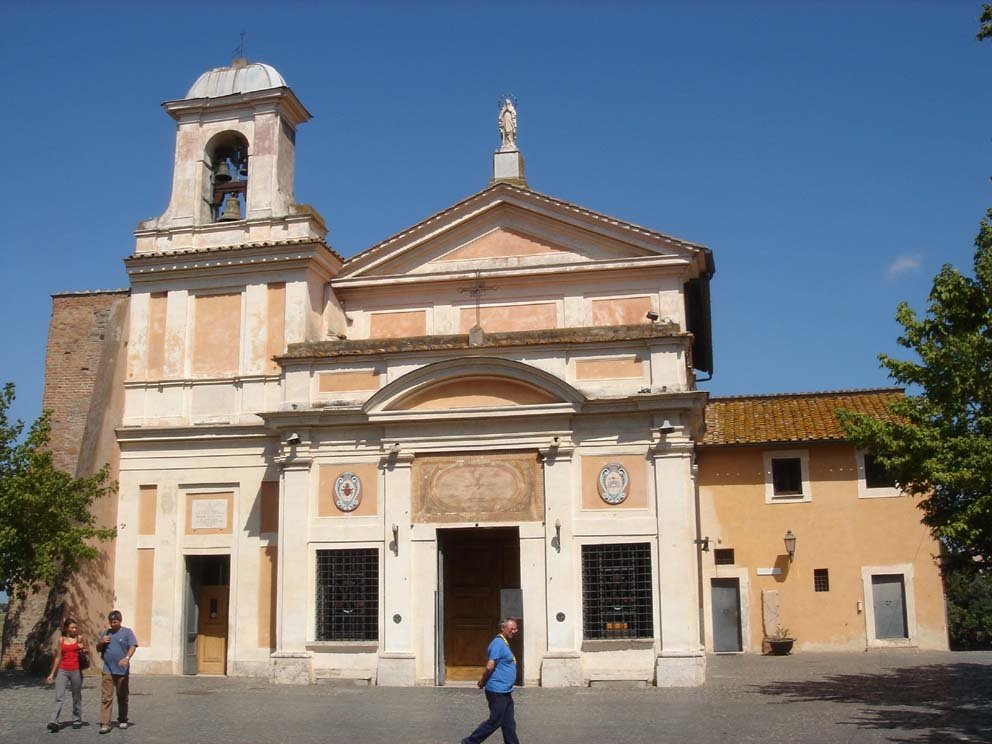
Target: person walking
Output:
[
  {"x": 67, "y": 671},
  {"x": 117, "y": 644},
  {"x": 497, "y": 680}
]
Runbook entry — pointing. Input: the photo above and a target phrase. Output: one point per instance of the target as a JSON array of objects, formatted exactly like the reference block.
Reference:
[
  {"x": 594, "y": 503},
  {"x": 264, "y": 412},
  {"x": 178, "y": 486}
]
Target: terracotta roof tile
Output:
[{"x": 790, "y": 417}]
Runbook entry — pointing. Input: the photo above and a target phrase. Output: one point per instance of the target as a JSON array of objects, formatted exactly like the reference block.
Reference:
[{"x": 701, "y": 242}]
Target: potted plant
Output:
[{"x": 781, "y": 642}]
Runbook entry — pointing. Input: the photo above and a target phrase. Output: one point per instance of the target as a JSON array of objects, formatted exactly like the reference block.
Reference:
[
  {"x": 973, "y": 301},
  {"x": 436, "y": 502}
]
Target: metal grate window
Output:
[
  {"x": 821, "y": 580},
  {"x": 723, "y": 556},
  {"x": 348, "y": 595},
  {"x": 616, "y": 591}
]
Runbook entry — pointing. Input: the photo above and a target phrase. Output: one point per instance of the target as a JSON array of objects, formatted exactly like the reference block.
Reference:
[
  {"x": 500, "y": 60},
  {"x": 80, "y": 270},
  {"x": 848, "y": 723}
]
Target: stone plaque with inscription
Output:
[
  {"x": 478, "y": 488},
  {"x": 208, "y": 514}
]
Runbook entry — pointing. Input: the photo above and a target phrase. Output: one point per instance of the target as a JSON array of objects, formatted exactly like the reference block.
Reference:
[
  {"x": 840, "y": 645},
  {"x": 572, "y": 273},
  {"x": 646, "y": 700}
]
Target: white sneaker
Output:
[{"x": 122, "y": 725}]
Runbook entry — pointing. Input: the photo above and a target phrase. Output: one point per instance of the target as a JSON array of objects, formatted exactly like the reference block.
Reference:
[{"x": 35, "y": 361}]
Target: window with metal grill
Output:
[
  {"x": 348, "y": 595},
  {"x": 723, "y": 556},
  {"x": 616, "y": 591},
  {"x": 821, "y": 580}
]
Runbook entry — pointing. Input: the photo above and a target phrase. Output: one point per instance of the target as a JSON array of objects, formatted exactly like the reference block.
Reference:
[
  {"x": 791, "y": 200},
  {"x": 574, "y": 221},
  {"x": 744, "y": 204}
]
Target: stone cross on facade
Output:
[{"x": 476, "y": 291}]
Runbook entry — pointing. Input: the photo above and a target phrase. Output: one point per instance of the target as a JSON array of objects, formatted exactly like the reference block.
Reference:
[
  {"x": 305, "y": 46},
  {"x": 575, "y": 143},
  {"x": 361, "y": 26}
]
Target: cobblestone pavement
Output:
[{"x": 900, "y": 696}]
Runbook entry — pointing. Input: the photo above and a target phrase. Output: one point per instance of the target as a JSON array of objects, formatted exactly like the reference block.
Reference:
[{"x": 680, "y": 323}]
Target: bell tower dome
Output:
[{"x": 234, "y": 164}]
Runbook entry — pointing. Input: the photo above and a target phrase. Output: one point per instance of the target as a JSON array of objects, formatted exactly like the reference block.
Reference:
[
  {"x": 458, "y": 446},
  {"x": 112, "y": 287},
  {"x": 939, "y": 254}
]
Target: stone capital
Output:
[
  {"x": 396, "y": 461},
  {"x": 294, "y": 463}
]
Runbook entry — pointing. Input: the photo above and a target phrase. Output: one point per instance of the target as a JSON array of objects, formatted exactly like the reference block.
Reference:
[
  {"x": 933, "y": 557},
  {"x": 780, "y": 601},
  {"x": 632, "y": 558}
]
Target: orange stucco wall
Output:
[
  {"x": 147, "y": 506},
  {"x": 835, "y": 530},
  {"x": 501, "y": 243},
  {"x": 475, "y": 392},
  {"x": 267, "y": 597},
  {"x": 268, "y": 517},
  {"x": 275, "y": 327},
  {"x": 144, "y": 592},
  {"x": 340, "y": 382},
  {"x": 637, "y": 470},
  {"x": 620, "y": 311},
  {"x": 609, "y": 369},
  {"x": 367, "y": 473},
  {"x": 217, "y": 335},
  {"x": 398, "y": 325},
  {"x": 157, "y": 304},
  {"x": 501, "y": 318}
]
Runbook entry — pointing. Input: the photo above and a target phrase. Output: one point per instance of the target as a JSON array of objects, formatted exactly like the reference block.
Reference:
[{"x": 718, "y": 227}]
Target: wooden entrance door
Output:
[
  {"x": 211, "y": 642},
  {"x": 478, "y": 563}
]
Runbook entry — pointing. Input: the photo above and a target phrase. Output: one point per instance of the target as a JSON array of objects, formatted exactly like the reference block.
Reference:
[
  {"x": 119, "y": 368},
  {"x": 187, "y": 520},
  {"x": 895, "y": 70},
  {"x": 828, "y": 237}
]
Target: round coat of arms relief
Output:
[
  {"x": 613, "y": 482},
  {"x": 347, "y": 492}
]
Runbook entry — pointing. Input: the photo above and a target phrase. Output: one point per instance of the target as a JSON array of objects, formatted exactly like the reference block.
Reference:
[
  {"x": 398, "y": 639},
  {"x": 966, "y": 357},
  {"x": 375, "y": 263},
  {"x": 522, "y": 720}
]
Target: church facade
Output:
[{"x": 352, "y": 469}]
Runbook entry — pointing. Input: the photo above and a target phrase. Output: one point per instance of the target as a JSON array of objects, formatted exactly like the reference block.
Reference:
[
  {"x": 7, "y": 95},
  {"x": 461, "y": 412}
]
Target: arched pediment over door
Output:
[{"x": 471, "y": 384}]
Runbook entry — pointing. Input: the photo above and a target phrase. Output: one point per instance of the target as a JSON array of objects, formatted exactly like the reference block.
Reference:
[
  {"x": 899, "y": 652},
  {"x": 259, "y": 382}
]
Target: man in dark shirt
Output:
[{"x": 498, "y": 679}]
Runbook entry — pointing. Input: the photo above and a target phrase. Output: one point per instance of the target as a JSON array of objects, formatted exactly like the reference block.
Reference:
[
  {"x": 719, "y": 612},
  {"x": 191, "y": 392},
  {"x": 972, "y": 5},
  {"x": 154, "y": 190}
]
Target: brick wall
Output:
[
  {"x": 83, "y": 390},
  {"x": 77, "y": 340}
]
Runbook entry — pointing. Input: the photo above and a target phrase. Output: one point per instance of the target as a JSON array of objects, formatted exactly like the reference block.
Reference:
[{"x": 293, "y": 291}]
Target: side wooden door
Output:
[{"x": 212, "y": 638}]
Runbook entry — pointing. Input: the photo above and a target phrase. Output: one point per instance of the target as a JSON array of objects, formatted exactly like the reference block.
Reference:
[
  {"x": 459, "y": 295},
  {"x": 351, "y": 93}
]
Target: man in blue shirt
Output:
[
  {"x": 117, "y": 645},
  {"x": 498, "y": 679}
]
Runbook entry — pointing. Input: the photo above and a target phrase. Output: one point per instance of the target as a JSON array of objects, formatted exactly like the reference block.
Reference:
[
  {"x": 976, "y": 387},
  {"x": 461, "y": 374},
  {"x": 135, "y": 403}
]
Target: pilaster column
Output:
[
  {"x": 681, "y": 662},
  {"x": 562, "y": 664},
  {"x": 291, "y": 660},
  {"x": 397, "y": 660}
]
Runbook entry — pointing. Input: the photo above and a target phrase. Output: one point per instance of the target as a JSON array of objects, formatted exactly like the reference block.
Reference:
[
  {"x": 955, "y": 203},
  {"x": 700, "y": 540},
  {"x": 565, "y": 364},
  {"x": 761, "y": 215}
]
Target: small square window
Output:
[
  {"x": 876, "y": 476},
  {"x": 821, "y": 580},
  {"x": 723, "y": 556},
  {"x": 787, "y": 476}
]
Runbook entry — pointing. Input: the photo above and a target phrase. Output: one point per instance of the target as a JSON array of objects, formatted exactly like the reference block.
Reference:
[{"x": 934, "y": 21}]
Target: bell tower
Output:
[{"x": 234, "y": 164}]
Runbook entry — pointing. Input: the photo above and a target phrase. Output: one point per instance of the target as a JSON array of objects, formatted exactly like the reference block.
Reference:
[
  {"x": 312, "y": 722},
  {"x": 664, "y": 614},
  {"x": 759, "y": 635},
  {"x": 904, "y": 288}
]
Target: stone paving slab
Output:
[{"x": 891, "y": 696}]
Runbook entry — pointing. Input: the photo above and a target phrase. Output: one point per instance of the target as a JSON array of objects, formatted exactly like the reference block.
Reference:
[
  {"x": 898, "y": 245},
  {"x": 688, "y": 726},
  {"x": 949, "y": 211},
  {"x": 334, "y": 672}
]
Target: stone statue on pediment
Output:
[{"x": 508, "y": 126}]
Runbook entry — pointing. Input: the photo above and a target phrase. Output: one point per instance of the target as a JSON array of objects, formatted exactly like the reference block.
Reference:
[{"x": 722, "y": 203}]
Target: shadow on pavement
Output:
[
  {"x": 20, "y": 681},
  {"x": 938, "y": 703}
]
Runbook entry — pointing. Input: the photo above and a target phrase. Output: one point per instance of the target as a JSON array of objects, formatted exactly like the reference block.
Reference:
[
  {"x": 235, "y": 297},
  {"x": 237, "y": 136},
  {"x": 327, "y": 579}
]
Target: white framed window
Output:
[
  {"x": 873, "y": 481},
  {"x": 787, "y": 476}
]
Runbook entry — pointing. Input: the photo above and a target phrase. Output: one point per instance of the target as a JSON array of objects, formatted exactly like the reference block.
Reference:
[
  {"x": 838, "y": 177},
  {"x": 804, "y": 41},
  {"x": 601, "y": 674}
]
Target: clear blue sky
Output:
[{"x": 832, "y": 154}]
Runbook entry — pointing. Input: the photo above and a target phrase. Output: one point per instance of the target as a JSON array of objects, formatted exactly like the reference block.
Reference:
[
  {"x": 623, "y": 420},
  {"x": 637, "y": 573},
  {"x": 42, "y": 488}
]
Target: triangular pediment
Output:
[
  {"x": 502, "y": 242},
  {"x": 507, "y": 227}
]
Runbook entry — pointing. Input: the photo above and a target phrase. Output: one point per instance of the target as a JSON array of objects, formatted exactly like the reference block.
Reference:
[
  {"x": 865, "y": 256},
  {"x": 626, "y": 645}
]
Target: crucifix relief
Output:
[{"x": 476, "y": 291}]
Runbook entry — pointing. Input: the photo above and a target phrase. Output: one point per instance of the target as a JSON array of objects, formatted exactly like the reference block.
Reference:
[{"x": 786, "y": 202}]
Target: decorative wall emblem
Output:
[
  {"x": 497, "y": 487},
  {"x": 347, "y": 492},
  {"x": 613, "y": 482}
]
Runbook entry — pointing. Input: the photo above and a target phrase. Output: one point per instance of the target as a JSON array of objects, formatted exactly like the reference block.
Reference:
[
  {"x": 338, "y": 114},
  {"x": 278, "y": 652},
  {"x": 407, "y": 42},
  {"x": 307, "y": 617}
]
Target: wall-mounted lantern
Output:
[{"x": 790, "y": 545}]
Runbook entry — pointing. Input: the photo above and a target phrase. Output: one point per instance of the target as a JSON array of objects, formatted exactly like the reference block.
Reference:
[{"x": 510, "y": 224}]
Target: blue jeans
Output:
[
  {"x": 500, "y": 717},
  {"x": 73, "y": 680}
]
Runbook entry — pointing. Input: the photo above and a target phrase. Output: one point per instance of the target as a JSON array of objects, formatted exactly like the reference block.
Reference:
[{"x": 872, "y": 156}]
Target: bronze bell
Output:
[
  {"x": 223, "y": 172},
  {"x": 232, "y": 210}
]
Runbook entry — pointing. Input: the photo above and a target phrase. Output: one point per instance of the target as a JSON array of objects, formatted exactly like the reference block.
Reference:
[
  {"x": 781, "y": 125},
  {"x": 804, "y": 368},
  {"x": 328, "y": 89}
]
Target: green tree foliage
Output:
[
  {"x": 46, "y": 527},
  {"x": 969, "y": 607},
  {"x": 938, "y": 446},
  {"x": 985, "y": 19}
]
